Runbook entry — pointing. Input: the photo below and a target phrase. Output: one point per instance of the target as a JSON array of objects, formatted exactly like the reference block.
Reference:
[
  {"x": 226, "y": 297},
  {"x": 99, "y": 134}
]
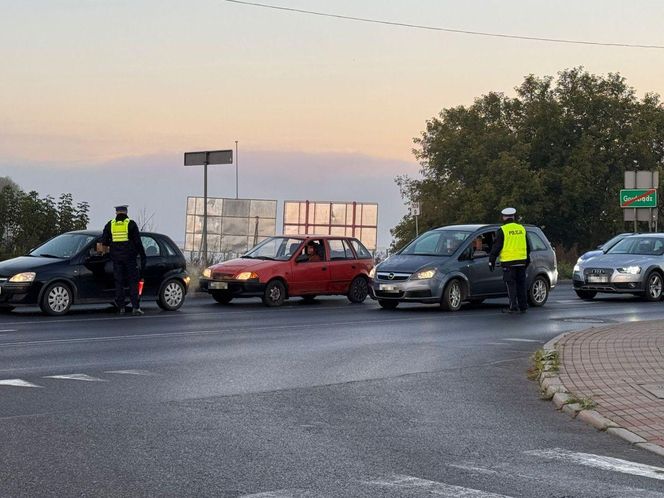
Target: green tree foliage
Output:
[
  {"x": 26, "y": 219},
  {"x": 557, "y": 151}
]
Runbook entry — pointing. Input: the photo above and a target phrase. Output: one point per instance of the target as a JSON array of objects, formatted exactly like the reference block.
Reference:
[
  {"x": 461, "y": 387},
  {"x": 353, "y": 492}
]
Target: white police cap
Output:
[
  {"x": 121, "y": 208},
  {"x": 508, "y": 212}
]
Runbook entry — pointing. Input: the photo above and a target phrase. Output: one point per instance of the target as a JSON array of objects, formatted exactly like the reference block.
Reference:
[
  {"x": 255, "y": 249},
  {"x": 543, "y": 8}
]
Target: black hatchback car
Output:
[{"x": 68, "y": 270}]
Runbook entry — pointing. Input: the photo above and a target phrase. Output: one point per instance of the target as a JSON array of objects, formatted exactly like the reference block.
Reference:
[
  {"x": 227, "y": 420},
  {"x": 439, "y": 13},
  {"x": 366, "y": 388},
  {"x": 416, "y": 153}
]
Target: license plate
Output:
[
  {"x": 388, "y": 288},
  {"x": 218, "y": 285},
  {"x": 598, "y": 279}
]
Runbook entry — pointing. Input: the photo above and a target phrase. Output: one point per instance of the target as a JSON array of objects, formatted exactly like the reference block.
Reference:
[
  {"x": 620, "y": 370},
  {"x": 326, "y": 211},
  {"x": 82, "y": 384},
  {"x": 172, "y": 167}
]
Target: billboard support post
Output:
[{"x": 204, "y": 158}]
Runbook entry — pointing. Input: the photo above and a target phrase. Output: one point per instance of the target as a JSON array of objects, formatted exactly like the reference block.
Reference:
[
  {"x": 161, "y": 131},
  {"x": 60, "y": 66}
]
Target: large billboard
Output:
[
  {"x": 233, "y": 225},
  {"x": 353, "y": 219}
]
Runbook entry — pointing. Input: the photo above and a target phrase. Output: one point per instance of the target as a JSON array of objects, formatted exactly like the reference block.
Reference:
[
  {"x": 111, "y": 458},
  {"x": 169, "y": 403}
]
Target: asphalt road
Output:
[{"x": 329, "y": 399}]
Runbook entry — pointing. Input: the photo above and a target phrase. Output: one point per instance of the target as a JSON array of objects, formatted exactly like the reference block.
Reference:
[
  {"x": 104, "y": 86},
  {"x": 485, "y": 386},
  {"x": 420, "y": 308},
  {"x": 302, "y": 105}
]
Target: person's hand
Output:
[{"x": 492, "y": 266}]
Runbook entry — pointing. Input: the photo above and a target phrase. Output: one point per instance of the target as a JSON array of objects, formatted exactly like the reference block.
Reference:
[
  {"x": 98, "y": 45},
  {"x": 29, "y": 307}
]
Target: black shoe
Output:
[
  {"x": 137, "y": 312},
  {"x": 509, "y": 311},
  {"x": 522, "y": 311}
]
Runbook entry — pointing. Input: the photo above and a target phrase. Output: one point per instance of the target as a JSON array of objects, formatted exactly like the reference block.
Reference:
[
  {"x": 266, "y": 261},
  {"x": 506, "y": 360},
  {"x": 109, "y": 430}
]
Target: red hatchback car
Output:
[{"x": 286, "y": 266}]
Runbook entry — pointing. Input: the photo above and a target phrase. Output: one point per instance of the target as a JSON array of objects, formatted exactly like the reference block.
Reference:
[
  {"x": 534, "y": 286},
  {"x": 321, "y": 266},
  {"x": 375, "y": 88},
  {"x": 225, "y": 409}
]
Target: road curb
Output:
[{"x": 553, "y": 388}]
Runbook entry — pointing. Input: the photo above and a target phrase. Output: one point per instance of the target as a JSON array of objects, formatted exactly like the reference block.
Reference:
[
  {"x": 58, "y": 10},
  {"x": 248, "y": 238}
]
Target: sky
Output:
[{"x": 101, "y": 98}]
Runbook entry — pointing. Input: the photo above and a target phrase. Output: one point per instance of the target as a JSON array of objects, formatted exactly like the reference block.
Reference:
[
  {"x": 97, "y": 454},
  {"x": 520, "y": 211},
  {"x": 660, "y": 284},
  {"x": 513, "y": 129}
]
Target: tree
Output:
[{"x": 557, "y": 151}]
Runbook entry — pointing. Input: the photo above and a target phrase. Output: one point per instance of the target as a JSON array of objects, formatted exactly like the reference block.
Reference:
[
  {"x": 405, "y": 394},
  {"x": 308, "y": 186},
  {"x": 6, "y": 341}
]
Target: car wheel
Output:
[
  {"x": 57, "y": 299},
  {"x": 586, "y": 295},
  {"x": 538, "y": 292},
  {"x": 653, "y": 287},
  {"x": 358, "y": 290},
  {"x": 222, "y": 297},
  {"x": 388, "y": 305},
  {"x": 275, "y": 293},
  {"x": 309, "y": 298},
  {"x": 452, "y": 296},
  {"x": 171, "y": 295},
  {"x": 6, "y": 309}
]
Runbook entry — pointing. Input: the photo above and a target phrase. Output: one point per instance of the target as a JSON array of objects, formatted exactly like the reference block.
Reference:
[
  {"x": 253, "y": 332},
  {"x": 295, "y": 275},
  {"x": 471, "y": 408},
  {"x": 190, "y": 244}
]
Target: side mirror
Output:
[
  {"x": 301, "y": 258},
  {"x": 601, "y": 246}
]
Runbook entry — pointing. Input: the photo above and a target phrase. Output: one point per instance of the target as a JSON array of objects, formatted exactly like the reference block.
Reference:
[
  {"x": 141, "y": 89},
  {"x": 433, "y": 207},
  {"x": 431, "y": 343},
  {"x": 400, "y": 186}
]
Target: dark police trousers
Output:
[
  {"x": 125, "y": 272},
  {"x": 515, "y": 279}
]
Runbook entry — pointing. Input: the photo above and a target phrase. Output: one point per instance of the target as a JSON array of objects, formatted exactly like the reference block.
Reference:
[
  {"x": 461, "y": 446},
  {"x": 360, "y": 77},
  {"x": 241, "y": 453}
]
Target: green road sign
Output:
[{"x": 638, "y": 198}]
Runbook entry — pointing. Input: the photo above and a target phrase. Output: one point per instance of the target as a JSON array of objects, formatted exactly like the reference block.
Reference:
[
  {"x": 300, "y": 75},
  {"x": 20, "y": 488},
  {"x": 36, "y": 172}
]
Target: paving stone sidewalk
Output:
[{"x": 621, "y": 369}]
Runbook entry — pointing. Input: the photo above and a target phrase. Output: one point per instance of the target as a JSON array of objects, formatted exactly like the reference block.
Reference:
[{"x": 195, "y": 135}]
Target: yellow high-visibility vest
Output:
[
  {"x": 514, "y": 243},
  {"x": 120, "y": 230}
]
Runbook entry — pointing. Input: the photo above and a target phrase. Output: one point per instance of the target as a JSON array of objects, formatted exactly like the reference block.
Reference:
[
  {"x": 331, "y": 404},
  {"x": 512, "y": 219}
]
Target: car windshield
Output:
[
  {"x": 612, "y": 242},
  {"x": 647, "y": 246},
  {"x": 63, "y": 246},
  {"x": 276, "y": 248},
  {"x": 436, "y": 243}
]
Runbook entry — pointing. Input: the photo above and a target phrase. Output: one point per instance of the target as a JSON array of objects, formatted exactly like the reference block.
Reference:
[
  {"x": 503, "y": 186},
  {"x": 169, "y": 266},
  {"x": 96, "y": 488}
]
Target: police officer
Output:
[
  {"x": 511, "y": 244},
  {"x": 122, "y": 235}
]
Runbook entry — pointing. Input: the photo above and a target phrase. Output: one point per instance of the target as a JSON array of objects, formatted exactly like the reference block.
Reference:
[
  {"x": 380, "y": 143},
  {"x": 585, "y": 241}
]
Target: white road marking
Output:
[
  {"x": 83, "y": 377},
  {"x": 130, "y": 372},
  {"x": 432, "y": 487},
  {"x": 601, "y": 462},
  {"x": 211, "y": 332},
  {"x": 280, "y": 493},
  {"x": 570, "y": 482},
  {"x": 17, "y": 383},
  {"x": 7, "y": 330},
  {"x": 515, "y": 339}
]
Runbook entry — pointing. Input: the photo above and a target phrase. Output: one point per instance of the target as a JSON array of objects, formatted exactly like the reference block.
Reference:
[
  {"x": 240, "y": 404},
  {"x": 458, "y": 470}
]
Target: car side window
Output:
[
  {"x": 169, "y": 249},
  {"x": 339, "y": 250},
  {"x": 151, "y": 246},
  {"x": 361, "y": 251},
  {"x": 536, "y": 243},
  {"x": 481, "y": 245}
]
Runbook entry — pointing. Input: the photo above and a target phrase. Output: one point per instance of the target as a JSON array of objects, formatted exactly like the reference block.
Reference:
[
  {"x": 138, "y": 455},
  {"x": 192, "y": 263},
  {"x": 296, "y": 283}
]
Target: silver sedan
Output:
[{"x": 634, "y": 266}]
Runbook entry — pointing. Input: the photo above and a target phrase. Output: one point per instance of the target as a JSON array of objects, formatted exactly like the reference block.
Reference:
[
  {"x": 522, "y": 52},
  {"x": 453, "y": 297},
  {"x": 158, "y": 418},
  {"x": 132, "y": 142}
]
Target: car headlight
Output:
[
  {"x": 425, "y": 274},
  {"x": 372, "y": 272},
  {"x": 577, "y": 268},
  {"x": 28, "y": 276},
  {"x": 246, "y": 275},
  {"x": 207, "y": 273},
  {"x": 632, "y": 270}
]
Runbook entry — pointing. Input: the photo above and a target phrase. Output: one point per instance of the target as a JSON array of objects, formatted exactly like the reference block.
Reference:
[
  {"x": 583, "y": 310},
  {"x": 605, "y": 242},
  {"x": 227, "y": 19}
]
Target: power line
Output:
[{"x": 447, "y": 30}]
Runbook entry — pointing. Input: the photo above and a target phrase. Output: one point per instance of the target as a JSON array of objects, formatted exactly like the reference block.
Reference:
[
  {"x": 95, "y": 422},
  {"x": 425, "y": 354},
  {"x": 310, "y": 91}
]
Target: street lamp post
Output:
[{"x": 204, "y": 158}]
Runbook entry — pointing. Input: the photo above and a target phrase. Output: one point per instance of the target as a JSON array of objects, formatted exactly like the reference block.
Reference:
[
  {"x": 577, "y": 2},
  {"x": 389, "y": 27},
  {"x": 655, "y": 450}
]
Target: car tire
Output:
[
  {"x": 309, "y": 298},
  {"x": 452, "y": 296},
  {"x": 538, "y": 293},
  {"x": 653, "y": 287},
  {"x": 6, "y": 309},
  {"x": 388, "y": 304},
  {"x": 171, "y": 295},
  {"x": 222, "y": 297},
  {"x": 358, "y": 290},
  {"x": 586, "y": 295},
  {"x": 57, "y": 299},
  {"x": 274, "y": 294}
]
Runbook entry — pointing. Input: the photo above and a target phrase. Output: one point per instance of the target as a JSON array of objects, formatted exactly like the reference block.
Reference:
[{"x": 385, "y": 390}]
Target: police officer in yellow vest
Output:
[
  {"x": 124, "y": 239},
  {"x": 511, "y": 245}
]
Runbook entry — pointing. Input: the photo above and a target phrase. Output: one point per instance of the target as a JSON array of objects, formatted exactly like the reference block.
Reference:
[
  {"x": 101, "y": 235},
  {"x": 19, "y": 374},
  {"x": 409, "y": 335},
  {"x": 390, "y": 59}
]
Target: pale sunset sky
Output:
[{"x": 101, "y": 97}]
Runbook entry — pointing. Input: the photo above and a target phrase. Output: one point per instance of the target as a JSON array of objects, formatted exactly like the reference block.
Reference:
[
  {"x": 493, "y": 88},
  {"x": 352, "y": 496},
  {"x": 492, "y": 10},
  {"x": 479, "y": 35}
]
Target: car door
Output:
[
  {"x": 538, "y": 255},
  {"x": 155, "y": 264},
  {"x": 94, "y": 275},
  {"x": 343, "y": 265},
  {"x": 483, "y": 281},
  {"x": 310, "y": 277}
]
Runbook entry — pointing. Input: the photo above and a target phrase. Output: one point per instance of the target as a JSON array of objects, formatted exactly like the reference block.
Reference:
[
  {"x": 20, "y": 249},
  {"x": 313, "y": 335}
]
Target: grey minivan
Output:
[{"x": 450, "y": 265}]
